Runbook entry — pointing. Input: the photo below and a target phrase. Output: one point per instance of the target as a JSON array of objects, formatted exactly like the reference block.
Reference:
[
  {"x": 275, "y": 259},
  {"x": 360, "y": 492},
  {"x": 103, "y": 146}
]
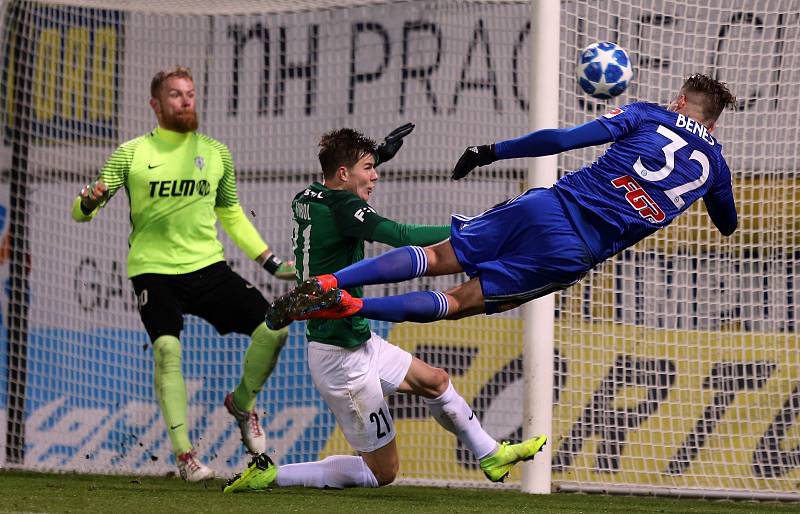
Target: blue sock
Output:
[
  {"x": 419, "y": 306},
  {"x": 396, "y": 265}
]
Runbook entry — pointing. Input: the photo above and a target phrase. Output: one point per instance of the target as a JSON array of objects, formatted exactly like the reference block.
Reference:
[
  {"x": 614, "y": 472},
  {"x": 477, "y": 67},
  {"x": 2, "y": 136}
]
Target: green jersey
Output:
[
  {"x": 173, "y": 181},
  {"x": 330, "y": 228}
]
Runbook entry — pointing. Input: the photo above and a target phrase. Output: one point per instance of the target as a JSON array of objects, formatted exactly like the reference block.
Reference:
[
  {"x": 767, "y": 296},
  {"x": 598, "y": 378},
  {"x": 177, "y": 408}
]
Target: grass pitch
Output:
[{"x": 86, "y": 494}]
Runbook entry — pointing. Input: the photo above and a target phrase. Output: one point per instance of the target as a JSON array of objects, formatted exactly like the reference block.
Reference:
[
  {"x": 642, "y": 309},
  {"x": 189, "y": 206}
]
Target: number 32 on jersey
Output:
[{"x": 638, "y": 197}]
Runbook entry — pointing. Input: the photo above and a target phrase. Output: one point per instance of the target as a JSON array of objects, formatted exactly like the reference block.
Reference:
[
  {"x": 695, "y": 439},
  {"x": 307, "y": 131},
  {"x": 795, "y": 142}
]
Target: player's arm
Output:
[
  {"x": 720, "y": 204},
  {"x": 239, "y": 228},
  {"x": 536, "y": 144},
  {"x": 399, "y": 234},
  {"x": 113, "y": 175},
  {"x": 357, "y": 219},
  {"x": 246, "y": 237}
]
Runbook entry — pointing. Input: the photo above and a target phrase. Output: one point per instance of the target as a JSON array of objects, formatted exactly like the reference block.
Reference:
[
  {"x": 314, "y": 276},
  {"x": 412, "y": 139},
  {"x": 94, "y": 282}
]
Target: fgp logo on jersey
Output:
[
  {"x": 359, "y": 214},
  {"x": 167, "y": 188},
  {"x": 639, "y": 199},
  {"x": 613, "y": 112}
]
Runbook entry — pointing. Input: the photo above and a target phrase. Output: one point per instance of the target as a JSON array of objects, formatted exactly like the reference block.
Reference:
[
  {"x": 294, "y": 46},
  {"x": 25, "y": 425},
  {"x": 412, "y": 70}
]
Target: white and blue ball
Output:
[{"x": 604, "y": 70}]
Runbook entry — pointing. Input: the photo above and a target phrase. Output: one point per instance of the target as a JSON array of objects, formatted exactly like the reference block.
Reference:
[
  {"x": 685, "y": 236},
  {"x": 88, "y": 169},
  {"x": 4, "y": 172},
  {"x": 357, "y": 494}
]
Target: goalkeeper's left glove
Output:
[
  {"x": 279, "y": 269},
  {"x": 473, "y": 157},
  {"x": 392, "y": 143}
]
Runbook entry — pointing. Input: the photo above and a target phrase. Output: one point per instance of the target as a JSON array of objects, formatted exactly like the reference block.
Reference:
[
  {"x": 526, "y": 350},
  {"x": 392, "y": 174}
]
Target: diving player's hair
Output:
[
  {"x": 710, "y": 94},
  {"x": 342, "y": 147},
  {"x": 164, "y": 75}
]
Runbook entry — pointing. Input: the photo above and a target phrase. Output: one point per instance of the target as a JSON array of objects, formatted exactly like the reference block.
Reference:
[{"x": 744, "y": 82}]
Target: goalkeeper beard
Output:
[{"x": 183, "y": 121}]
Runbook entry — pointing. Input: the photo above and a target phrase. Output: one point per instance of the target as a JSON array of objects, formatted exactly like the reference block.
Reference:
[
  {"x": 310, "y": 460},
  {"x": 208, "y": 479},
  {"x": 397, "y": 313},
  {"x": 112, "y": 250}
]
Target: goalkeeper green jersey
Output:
[
  {"x": 173, "y": 181},
  {"x": 331, "y": 226}
]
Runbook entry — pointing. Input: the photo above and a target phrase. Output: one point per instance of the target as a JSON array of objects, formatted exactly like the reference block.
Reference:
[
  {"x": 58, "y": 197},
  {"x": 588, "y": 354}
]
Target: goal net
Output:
[{"x": 675, "y": 361}]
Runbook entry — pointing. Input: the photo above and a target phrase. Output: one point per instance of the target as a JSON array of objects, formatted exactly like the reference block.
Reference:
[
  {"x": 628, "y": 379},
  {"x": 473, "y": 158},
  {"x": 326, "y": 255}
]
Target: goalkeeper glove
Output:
[
  {"x": 392, "y": 143},
  {"x": 279, "y": 269},
  {"x": 472, "y": 157}
]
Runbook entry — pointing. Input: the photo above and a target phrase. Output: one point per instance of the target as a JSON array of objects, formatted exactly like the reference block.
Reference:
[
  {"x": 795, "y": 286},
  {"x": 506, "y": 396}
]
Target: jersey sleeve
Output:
[
  {"x": 227, "y": 195},
  {"x": 398, "y": 234},
  {"x": 241, "y": 230},
  {"x": 553, "y": 141},
  {"x": 114, "y": 175},
  {"x": 621, "y": 121},
  {"x": 355, "y": 218},
  {"x": 719, "y": 201},
  {"x": 115, "y": 171}
]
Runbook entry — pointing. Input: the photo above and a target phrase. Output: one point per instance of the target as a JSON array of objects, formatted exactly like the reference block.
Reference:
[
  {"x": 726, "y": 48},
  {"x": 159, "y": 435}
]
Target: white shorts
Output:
[{"x": 354, "y": 382}]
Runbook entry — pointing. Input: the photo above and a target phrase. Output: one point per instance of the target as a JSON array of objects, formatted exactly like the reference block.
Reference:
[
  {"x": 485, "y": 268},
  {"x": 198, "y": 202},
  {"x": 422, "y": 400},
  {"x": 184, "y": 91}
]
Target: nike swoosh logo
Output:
[
  {"x": 472, "y": 415},
  {"x": 151, "y": 166},
  {"x": 250, "y": 286},
  {"x": 176, "y": 426}
]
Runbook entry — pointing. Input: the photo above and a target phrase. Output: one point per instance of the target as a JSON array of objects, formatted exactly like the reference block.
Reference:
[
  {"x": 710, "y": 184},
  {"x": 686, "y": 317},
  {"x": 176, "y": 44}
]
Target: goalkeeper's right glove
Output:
[
  {"x": 93, "y": 195},
  {"x": 472, "y": 157}
]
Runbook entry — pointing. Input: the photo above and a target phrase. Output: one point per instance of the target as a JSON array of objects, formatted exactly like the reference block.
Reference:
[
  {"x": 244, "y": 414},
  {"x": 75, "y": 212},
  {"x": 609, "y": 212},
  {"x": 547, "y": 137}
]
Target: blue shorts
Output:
[{"x": 520, "y": 249}]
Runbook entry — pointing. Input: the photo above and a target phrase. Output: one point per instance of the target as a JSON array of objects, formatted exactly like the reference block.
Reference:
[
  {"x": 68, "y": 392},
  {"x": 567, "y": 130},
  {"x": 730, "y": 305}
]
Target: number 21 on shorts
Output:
[{"x": 382, "y": 426}]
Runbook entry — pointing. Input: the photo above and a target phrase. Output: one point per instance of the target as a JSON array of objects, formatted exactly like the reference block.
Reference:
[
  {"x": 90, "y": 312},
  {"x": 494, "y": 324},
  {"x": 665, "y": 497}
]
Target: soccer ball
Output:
[{"x": 604, "y": 70}]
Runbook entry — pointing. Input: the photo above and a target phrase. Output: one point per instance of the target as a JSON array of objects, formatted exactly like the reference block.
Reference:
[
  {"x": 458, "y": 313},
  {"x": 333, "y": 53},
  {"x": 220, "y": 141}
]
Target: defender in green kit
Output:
[
  {"x": 179, "y": 183},
  {"x": 352, "y": 367}
]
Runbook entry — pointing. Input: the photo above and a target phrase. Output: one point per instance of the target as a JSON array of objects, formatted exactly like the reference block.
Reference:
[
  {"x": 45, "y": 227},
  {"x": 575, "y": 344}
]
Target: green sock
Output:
[
  {"x": 259, "y": 361},
  {"x": 171, "y": 391}
]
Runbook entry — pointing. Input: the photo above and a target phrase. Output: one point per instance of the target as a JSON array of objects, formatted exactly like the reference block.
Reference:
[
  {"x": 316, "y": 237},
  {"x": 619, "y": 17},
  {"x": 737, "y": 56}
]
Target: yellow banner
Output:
[{"x": 634, "y": 405}]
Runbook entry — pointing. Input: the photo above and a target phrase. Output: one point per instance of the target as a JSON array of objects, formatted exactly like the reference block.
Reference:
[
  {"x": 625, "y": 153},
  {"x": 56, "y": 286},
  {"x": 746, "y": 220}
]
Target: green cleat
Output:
[
  {"x": 259, "y": 475},
  {"x": 497, "y": 466}
]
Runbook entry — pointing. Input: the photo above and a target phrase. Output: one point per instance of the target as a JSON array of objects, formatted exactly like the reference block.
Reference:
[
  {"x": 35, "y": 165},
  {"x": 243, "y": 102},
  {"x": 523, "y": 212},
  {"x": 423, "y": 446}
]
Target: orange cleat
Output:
[
  {"x": 333, "y": 304},
  {"x": 326, "y": 282}
]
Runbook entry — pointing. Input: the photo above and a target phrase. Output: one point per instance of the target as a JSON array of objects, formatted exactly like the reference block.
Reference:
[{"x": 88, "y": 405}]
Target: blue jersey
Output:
[{"x": 659, "y": 164}]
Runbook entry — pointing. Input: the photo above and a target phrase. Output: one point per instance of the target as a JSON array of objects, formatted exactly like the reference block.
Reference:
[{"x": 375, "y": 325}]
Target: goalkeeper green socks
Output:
[
  {"x": 171, "y": 391},
  {"x": 259, "y": 361}
]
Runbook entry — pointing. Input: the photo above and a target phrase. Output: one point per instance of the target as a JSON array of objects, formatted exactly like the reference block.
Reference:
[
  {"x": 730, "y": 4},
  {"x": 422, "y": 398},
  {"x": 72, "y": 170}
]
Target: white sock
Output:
[
  {"x": 336, "y": 472},
  {"x": 453, "y": 413}
]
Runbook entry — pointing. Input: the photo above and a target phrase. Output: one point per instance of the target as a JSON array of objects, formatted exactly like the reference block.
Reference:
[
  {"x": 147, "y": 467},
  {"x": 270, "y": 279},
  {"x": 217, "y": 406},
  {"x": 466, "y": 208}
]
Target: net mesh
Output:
[
  {"x": 674, "y": 361},
  {"x": 679, "y": 351}
]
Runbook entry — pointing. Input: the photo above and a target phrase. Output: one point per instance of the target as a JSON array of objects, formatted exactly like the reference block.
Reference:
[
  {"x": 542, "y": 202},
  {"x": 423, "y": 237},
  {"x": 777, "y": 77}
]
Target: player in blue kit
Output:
[{"x": 661, "y": 161}]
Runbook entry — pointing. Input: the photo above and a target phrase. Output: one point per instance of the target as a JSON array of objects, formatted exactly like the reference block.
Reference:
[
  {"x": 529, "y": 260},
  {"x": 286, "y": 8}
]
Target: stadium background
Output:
[{"x": 676, "y": 363}]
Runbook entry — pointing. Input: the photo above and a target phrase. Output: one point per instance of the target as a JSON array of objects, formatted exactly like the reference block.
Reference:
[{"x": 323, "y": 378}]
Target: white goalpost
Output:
[
  {"x": 670, "y": 369},
  {"x": 538, "y": 316}
]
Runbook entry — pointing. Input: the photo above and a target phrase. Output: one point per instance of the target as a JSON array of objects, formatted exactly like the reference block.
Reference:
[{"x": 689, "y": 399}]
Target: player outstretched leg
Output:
[
  {"x": 334, "y": 472},
  {"x": 259, "y": 361},
  {"x": 171, "y": 393},
  {"x": 397, "y": 265},
  {"x": 496, "y": 460},
  {"x": 417, "y": 306}
]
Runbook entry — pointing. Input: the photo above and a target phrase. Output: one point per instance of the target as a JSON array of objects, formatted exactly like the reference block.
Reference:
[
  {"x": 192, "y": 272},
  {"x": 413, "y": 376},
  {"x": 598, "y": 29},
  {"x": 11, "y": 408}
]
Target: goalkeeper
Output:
[
  {"x": 179, "y": 183},
  {"x": 353, "y": 368}
]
